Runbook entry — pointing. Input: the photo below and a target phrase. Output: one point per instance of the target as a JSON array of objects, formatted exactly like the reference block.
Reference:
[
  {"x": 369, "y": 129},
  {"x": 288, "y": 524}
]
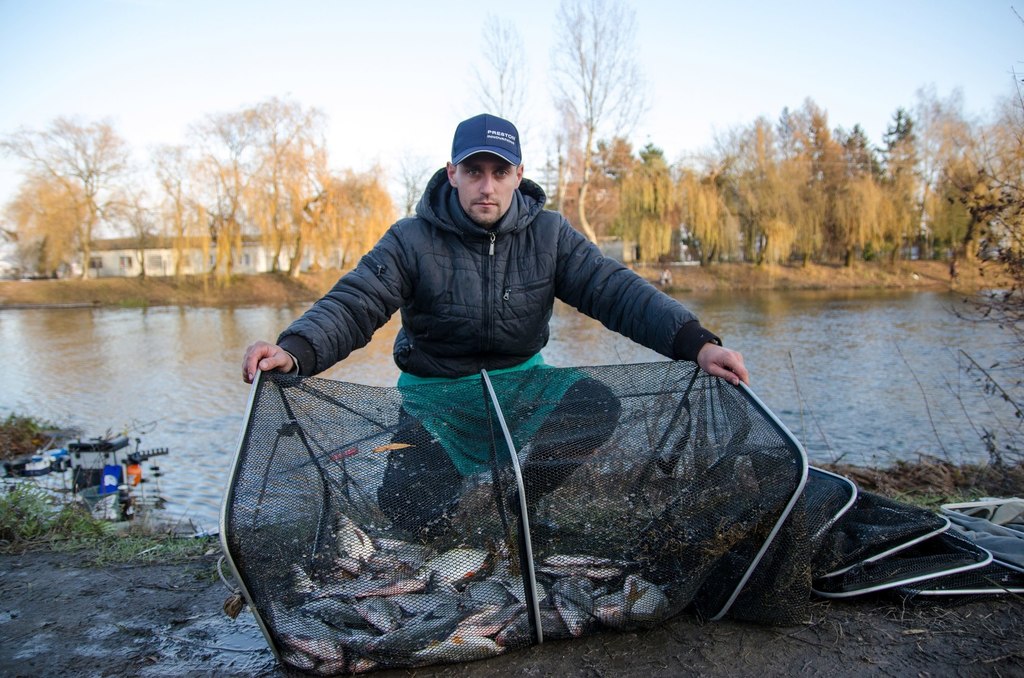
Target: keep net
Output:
[{"x": 375, "y": 528}]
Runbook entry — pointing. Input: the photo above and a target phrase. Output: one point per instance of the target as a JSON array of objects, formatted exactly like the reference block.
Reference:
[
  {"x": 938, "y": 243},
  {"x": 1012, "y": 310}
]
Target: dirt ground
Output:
[{"x": 59, "y": 617}]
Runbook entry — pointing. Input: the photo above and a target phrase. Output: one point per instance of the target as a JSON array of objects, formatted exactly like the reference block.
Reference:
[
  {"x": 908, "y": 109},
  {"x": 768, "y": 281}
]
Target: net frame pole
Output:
[
  {"x": 523, "y": 511},
  {"x": 225, "y": 505},
  {"x": 786, "y": 433}
]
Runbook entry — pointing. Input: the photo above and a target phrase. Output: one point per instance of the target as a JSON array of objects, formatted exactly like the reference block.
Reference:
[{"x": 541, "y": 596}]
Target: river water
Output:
[{"x": 862, "y": 377}]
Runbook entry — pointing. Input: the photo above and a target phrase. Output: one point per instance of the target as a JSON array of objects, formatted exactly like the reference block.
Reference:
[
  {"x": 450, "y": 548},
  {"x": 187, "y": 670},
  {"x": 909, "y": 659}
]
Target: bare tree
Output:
[
  {"x": 224, "y": 169},
  {"x": 414, "y": 172},
  {"x": 174, "y": 167},
  {"x": 89, "y": 161},
  {"x": 597, "y": 79},
  {"x": 502, "y": 84}
]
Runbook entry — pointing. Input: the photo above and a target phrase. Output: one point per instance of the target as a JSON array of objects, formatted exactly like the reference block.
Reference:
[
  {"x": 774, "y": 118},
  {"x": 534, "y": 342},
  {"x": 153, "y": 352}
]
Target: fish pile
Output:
[{"x": 385, "y": 603}]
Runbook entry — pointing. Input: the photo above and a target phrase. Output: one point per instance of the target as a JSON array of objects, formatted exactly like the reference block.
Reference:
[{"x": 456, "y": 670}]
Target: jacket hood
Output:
[{"x": 440, "y": 206}]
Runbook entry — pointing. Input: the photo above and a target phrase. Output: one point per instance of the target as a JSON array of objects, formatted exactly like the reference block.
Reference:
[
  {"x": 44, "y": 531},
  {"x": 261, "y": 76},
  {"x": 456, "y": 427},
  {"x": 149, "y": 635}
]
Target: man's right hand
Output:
[{"x": 265, "y": 357}]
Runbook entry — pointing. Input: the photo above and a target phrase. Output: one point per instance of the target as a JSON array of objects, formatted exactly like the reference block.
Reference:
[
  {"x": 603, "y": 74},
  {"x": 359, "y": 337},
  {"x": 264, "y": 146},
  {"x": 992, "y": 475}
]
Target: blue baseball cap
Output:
[{"x": 487, "y": 134}]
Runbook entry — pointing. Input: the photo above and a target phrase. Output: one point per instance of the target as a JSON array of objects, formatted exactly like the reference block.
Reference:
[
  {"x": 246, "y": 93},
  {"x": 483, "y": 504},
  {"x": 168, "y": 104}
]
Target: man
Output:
[{"x": 475, "y": 274}]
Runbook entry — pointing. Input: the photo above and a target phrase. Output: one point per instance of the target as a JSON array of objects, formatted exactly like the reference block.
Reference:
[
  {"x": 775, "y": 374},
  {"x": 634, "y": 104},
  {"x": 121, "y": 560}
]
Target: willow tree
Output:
[
  {"x": 289, "y": 157},
  {"x": 862, "y": 211},
  {"x": 705, "y": 215},
  {"x": 47, "y": 220},
  {"x": 648, "y": 206},
  {"x": 90, "y": 161},
  {"x": 597, "y": 80},
  {"x": 353, "y": 214}
]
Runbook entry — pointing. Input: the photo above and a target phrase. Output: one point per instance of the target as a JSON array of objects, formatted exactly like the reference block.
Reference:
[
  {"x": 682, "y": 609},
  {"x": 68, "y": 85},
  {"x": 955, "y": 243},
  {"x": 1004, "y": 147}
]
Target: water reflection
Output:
[{"x": 863, "y": 376}]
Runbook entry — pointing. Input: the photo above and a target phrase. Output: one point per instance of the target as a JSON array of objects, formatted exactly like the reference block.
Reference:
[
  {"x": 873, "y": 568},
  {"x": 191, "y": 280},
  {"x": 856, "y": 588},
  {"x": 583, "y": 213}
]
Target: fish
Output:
[
  {"x": 574, "y": 599},
  {"x": 383, "y": 614},
  {"x": 352, "y": 541},
  {"x": 490, "y": 591},
  {"x": 413, "y": 555},
  {"x": 580, "y": 560},
  {"x": 552, "y": 624},
  {"x": 610, "y": 609},
  {"x": 458, "y": 648},
  {"x": 334, "y": 612},
  {"x": 589, "y": 572},
  {"x": 422, "y": 603},
  {"x": 489, "y": 620},
  {"x": 347, "y": 566},
  {"x": 419, "y": 632},
  {"x": 362, "y": 665},
  {"x": 645, "y": 602},
  {"x": 394, "y": 587},
  {"x": 301, "y": 582},
  {"x": 517, "y": 633},
  {"x": 299, "y": 660},
  {"x": 316, "y": 648},
  {"x": 457, "y": 565},
  {"x": 391, "y": 446},
  {"x": 367, "y": 586}
]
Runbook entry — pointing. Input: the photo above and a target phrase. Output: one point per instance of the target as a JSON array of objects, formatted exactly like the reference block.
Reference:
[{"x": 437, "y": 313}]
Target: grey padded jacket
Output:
[{"x": 473, "y": 298}]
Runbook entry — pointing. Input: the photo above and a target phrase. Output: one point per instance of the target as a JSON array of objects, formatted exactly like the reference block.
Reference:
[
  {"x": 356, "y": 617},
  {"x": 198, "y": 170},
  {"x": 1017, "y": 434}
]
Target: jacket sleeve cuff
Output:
[
  {"x": 301, "y": 352},
  {"x": 690, "y": 339}
]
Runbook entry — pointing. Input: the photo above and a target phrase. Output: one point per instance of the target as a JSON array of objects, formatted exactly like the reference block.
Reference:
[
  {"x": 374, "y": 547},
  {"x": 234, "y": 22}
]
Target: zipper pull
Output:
[
  {"x": 490, "y": 251},
  {"x": 508, "y": 290}
]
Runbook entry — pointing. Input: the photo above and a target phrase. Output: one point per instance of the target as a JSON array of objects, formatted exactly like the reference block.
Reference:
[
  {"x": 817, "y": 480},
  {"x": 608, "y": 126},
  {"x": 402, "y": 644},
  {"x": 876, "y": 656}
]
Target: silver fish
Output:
[
  {"x": 394, "y": 587},
  {"x": 367, "y": 586},
  {"x": 347, "y": 566},
  {"x": 362, "y": 665},
  {"x": 490, "y": 591},
  {"x": 580, "y": 560},
  {"x": 318, "y": 649},
  {"x": 590, "y": 572},
  {"x": 422, "y": 603},
  {"x": 611, "y": 610},
  {"x": 413, "y": 555},
  {"x": 299, "y": 660},
  {"x": 432, "y": 627},
  {"x": 645, "y": 602},
  {"x": 457, "y": 566},
  {"x": 489, "y": 620},
  {"x": 380, "y": 612},
  {"x": 552, "y": 624},
  {"x": 459, "y": 648},
  {"x": 517, "y": 633},
  {"x": 352, "y": 541},
  {"x": 334, "y": 611},
  {"x": 574, "y": 599},
  {"x": 301, "y": 581}
]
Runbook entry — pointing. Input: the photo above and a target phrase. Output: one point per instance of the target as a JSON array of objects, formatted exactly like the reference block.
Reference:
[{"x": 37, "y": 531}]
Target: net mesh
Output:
[{"x": 384, "y": 527}]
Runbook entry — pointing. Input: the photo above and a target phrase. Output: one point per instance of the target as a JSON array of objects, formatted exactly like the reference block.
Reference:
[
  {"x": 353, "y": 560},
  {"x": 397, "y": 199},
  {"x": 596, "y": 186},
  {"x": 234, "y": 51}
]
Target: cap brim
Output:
[{"x": 505, "y": 155}]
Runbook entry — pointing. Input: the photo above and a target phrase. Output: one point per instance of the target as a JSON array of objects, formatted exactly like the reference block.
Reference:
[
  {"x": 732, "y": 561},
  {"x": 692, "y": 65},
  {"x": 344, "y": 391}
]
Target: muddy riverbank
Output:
[{"x": 61, "y": 616}]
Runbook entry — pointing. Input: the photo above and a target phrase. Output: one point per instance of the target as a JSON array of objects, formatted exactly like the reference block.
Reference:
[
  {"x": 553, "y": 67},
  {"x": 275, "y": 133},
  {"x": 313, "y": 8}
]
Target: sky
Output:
[{"x": 394, "y": 78}]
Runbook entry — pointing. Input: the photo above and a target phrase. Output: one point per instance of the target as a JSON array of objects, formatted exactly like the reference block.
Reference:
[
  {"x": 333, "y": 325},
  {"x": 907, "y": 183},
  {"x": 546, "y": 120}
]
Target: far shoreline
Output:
[{"x": 276, "y": 289}]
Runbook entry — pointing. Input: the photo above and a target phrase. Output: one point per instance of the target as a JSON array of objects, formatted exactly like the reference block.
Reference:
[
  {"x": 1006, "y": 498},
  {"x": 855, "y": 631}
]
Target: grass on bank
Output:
[{"x": 32, "y": 518}]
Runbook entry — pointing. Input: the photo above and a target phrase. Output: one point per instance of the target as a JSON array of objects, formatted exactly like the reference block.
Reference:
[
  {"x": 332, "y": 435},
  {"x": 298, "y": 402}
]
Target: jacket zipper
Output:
[{"x": 488, "y": 283}]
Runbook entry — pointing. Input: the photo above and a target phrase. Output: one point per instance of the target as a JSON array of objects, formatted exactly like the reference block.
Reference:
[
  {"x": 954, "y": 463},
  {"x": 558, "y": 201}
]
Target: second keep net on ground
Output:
[{"x": 379, "y": 527}]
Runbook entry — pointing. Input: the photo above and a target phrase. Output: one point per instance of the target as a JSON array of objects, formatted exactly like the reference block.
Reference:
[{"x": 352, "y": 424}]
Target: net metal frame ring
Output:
[
  {"x": 226, "y": 506},
  {"x": 804, "y": 466}
]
